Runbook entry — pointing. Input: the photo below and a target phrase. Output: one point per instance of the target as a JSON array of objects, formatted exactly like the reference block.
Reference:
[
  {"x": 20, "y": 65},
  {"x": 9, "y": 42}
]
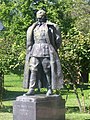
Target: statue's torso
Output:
[{"x": 41, "y": 46}]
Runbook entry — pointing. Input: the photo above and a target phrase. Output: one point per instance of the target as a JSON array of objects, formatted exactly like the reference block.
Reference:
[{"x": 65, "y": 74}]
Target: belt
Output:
[{"x": 41, "y": 41}]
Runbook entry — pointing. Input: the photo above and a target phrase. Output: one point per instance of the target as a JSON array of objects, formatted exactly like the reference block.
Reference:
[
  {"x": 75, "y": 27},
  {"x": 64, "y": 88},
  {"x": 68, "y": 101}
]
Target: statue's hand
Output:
[{"x": 29, "y": 49}]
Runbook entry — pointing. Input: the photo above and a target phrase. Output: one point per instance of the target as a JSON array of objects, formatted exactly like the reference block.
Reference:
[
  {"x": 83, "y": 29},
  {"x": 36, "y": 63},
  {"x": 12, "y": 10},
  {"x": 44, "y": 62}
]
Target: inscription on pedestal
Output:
[
  {"x": 39, "y": 108},
  {"x": 24, "y": 110}
]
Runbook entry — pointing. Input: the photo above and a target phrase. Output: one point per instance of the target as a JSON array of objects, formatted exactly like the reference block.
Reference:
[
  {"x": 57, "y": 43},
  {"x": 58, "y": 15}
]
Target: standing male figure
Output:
[{"x": 43, "y": 40}]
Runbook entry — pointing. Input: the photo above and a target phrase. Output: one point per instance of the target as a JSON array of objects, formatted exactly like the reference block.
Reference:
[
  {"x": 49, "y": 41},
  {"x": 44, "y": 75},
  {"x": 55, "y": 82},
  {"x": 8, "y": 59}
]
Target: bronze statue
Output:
[{"x": 42, "y": 65}]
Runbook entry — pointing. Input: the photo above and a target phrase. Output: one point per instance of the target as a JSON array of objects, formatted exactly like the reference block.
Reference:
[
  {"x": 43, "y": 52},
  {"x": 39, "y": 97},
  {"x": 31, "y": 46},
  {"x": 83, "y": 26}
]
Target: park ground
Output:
[{"x": 13, "y": 88}]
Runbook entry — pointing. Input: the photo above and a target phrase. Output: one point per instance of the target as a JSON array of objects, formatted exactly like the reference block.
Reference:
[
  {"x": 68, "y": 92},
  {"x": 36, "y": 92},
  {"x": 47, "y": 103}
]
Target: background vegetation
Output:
[{"x": 73, "y": 18}]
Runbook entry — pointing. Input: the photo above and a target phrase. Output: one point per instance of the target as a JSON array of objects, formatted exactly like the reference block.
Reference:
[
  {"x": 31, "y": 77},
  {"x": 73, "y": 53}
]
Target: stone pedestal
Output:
[{"x": 39, "y": 107}]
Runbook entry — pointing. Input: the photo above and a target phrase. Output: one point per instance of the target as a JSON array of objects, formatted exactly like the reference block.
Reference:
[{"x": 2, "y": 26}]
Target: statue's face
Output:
[
  {"x": 41, "y": 15},
  {"x": 42, "y": 19}
]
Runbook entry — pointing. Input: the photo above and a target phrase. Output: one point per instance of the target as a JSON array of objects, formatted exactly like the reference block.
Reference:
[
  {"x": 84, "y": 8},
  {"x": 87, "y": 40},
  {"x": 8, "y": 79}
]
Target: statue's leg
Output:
[
  {"x": 32, "y": 82},
  {"x": 49, "y": 92},
  {"x": 47, "y": 70},
  {"x": 34, "y": 68}
]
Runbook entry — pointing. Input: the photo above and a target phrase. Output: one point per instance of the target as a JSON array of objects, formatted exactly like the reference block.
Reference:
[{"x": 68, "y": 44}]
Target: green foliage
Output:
[
  {"x": 72, "y": 17},
  {"x": 75, "y": 53},
  {"x": 16, "y": 18}
]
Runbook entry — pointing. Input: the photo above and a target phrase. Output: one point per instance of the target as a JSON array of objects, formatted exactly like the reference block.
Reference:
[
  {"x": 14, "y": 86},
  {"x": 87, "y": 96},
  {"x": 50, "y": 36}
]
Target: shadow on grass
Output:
[
  {"x": 87, "y": 119},
  {"x": 8, "y": 96},
  {"x": 75, "y": 109},
  {"x": 72, "y": 109},
  {"x": 85, "y": 87},
  {"x": 11, "y": 95},
  {"x": 8, "y": 109},
  {"x": 65, "y": 91}
]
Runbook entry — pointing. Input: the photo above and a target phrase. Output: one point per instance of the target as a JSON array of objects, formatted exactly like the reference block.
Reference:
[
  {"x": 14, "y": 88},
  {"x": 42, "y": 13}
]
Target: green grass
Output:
[
  {"x": 77, "y": 116},
  {"x": 13, "y": 88}
]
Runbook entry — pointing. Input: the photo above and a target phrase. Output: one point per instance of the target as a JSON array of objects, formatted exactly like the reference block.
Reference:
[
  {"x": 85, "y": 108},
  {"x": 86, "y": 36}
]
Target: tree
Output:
[
  {"x": 81, "y": 13},
  {"x": 73, "y": 18},
  {"x": 17, "y": 15}
]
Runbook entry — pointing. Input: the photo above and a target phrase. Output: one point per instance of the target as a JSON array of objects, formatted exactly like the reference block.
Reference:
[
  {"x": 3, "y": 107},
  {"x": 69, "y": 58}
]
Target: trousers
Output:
[{"x": 35, "y": 65}]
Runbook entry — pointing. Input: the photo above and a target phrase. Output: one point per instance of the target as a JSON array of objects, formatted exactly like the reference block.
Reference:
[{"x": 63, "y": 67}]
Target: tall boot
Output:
[
  {"x": 49, "y": 92},
  {"x": 32, "y": 83}
]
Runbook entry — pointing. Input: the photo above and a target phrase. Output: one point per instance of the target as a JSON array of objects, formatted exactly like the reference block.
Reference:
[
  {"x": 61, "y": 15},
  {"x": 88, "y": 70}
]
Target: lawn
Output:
[{"x": 13, "y": 88}]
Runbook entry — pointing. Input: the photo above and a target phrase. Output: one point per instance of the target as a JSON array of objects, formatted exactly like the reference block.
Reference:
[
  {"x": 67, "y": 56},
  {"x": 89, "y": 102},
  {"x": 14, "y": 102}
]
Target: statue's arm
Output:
[
  {"x": 58, "y": 39},
  {"x": 29, "y": 40}
]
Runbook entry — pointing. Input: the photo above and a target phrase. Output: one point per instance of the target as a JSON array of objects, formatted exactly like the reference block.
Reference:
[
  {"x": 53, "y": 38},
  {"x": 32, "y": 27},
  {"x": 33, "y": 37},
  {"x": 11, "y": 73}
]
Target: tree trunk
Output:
[
  {"x": 1, "y": 86},
  {"x": 85, "y": 77}
]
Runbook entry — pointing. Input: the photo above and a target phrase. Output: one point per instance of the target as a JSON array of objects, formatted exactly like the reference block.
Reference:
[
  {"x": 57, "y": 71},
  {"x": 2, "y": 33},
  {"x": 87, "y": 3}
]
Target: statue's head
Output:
[{"x": 41, "y": 15}]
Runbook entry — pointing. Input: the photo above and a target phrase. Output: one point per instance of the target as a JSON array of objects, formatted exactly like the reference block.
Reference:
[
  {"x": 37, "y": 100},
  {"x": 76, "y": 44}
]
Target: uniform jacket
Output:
[{"x": 54, "y": 41}]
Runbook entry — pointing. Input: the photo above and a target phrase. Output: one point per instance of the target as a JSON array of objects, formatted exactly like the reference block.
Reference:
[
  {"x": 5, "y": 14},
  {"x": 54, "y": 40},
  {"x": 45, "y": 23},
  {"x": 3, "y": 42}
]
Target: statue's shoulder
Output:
[
  {"x": 52, "y": 24},
  {"x": 30, "y": 28}
]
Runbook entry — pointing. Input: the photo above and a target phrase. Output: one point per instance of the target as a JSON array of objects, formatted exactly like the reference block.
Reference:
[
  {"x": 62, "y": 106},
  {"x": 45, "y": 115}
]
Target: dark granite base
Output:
[{"x": 39, "y": 107}]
